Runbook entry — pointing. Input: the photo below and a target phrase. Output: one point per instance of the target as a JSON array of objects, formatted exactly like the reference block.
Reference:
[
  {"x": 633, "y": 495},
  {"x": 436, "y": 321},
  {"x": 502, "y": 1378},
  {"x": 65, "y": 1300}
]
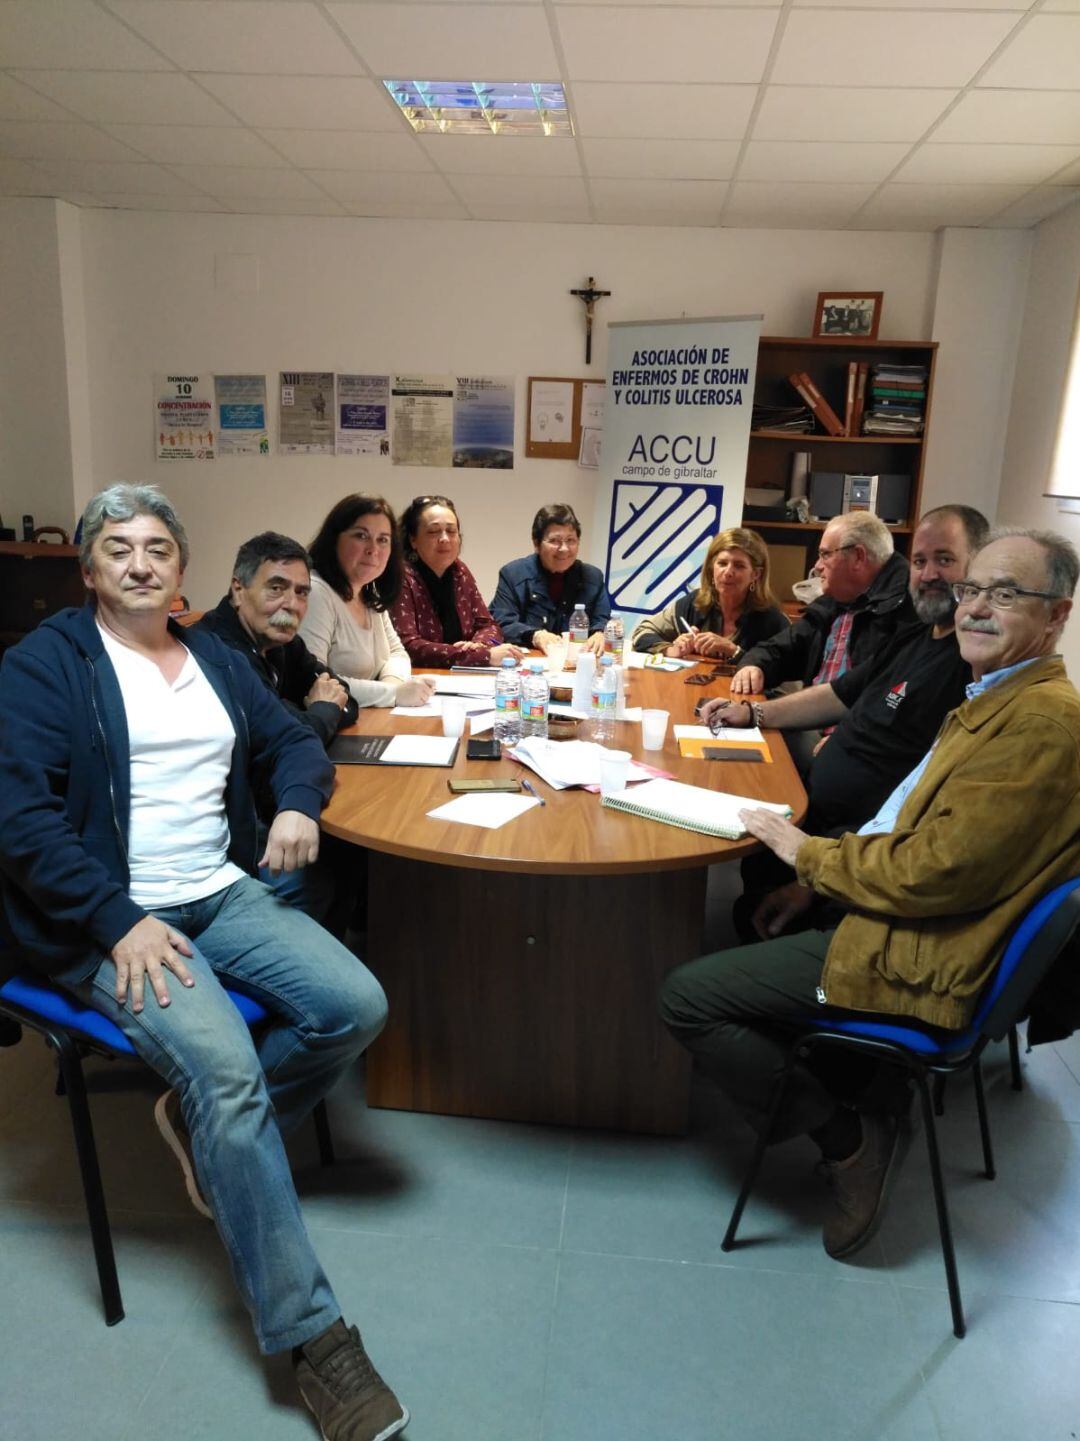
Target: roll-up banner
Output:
[{"x": 673, "y": 463}]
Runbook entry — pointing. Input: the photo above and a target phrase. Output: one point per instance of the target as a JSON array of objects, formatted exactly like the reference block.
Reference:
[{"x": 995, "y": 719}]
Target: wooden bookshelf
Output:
[{"x": 826, "y": 361}]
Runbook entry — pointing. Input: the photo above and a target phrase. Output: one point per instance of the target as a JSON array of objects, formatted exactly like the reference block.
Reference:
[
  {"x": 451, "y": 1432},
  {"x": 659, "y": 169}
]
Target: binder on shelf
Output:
[
  {"x": 817, "y": 402},
  {"x": 849, "y": 405},
  {"x": 861, "y": 377}
]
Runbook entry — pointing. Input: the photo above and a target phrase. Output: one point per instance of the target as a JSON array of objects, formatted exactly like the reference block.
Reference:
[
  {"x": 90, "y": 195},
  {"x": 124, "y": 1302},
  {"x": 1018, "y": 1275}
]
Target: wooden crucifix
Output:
[{"x": 589, "y": 295}]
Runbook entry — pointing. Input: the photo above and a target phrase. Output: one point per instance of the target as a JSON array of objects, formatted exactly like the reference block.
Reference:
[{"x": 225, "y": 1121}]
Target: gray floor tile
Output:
[
  {"x": 648, "y": 1348},
  {"x": 419, "y": 1175},
  {"x": 1018, "y": 1234},
  {"x": 671, "y": 1199},
  {"x": 459, "y": 1331},
  {"x": 1015, "y": 1374}
]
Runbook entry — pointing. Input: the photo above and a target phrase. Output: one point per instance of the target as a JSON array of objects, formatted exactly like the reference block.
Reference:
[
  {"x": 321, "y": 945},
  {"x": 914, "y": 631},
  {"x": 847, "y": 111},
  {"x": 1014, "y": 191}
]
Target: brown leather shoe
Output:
[
  {"x": 343, "y": 1391},
  {"x": 858, "y": 1187}
]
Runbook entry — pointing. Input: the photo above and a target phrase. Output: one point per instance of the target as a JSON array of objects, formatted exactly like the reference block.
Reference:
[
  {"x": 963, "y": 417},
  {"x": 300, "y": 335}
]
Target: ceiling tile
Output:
[
  {"x": 265, "y": 205},
  {"x": 45, "y": 35},
  {"x": 45, "y": 140},
  {"x": 19, "y": 102},
  {"x": 502, "y": 154},
  {"x": 349, "y": 149},
  {"x": 246, "y": 36},
  {"x": 869, "y": 48},
  {"x": 1033, "y": 117},
  {"x": 451, "y": 42},
  {"x": 536, "y": 213},
  {"x": 128, "y": 98},
  {"x": 664, "y": 112},
  {"x": 196, "y": 144},
  {"x": 1071, "y": 6},
  {"x": 229, "y": 181},
  {"x": 1069, "y": 176},
  {"x": 819, "y": 160},
  {"x": 928, "y": 207},
  {"x": 989, "y": 164},
  {"x": 403, "y": 210},
  {"x": 351, "y": 186},
  {"x": 680, "y": 45},
  {"x": 1036, "y": 205},
  {"x": 18, "y": 177},
  {"x": 766, "y": 203},
  {"x": 662, "y": 159},
  {"x": 658, "y": 198},
  {"x": 1045, "y": 55},
  {"x": 306, "y": 102},
  {"x": 550, "y": 190},
  {"x": 1015, "y": 5},
  {"x": 826, "y": 112},
  {"x": 135, "y": 178}
]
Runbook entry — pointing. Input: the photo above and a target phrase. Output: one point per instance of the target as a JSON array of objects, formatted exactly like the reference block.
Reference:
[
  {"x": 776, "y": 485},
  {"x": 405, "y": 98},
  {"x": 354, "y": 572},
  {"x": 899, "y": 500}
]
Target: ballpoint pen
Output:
[{"x": 525, "y": 786}]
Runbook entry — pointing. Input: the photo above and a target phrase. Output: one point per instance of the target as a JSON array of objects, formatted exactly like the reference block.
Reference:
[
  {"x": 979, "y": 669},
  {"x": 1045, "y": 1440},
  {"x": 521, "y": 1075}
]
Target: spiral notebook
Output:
[{"x": 692, "y": 808}]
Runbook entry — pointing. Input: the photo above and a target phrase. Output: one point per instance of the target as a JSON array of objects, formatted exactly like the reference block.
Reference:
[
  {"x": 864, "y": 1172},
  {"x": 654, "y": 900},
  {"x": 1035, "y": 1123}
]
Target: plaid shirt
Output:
[{"x": 835, "y": 660}]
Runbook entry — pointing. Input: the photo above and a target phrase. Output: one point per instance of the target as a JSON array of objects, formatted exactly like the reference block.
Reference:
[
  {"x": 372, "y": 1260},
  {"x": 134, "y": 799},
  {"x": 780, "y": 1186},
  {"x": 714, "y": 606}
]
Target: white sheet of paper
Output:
[
  {"x": 727, "y": 733},
  {"x": 433, "y": 707},
  {"x": 490, "y": 811},
  {"x": 473, "y": 685},
  {"x": 568, "y": 763},
  {"x": 406, "y": 750},
  {"x": 478, "y": 724}
]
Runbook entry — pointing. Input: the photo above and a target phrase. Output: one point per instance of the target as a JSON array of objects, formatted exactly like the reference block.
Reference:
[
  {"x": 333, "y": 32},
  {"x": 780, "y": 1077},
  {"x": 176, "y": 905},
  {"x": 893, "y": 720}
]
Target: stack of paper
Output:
[{"x": 568, "y": 763}]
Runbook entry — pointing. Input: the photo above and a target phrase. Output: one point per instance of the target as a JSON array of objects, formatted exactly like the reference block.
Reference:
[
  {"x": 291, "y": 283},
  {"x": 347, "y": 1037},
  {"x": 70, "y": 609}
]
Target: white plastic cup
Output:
[
  {"x": 653, "y": 729},
  {"x": 453, "y": 715},
  {"x": 614, "y": 769}
]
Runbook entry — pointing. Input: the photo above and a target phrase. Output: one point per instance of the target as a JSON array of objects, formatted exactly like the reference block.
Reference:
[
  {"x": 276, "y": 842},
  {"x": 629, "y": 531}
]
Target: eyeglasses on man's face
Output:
[
  {"x": 826, "y": 553},
  {"x": 999, "y": 597}
]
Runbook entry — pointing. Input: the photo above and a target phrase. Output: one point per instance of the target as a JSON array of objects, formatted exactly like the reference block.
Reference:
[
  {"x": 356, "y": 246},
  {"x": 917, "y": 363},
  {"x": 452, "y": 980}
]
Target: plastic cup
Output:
[
  {"x": 453, "y": 715},
  {"x": 614, "y": 768},
  {"x": 653, "y": 729}
]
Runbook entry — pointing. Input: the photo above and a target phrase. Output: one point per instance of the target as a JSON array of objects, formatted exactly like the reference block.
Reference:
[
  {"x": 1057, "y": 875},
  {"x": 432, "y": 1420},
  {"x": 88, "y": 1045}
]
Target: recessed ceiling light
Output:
[{"x": 482, "y": 107}]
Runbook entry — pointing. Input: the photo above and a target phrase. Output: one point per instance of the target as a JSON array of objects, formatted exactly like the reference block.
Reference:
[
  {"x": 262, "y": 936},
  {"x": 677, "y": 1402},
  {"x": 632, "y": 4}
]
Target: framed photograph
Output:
[{"x": 855, "y": 313}]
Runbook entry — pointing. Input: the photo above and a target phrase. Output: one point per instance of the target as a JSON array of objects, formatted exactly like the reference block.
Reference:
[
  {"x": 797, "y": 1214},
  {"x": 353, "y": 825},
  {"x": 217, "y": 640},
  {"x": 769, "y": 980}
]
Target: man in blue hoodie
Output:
[{"x": 128, "y": 855}]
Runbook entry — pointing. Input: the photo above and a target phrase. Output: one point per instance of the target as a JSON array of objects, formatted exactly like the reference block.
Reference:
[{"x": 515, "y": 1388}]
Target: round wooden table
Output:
[{"x": 522, "y": 964}]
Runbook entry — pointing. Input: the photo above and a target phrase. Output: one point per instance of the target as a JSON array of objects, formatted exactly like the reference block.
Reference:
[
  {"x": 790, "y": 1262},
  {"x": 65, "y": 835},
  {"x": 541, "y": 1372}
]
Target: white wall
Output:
[
  {"x": 440, "y": 296},
  {"x": 1042, "y": 362}
]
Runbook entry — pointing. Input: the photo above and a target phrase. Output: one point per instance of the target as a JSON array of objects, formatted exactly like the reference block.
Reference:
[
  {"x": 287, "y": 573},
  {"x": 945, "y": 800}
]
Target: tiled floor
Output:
[{"x": 521, "y": 1284}]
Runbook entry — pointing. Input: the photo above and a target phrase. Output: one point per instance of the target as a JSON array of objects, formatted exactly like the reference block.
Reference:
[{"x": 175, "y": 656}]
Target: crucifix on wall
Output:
[{"x": 589, "y": 295}]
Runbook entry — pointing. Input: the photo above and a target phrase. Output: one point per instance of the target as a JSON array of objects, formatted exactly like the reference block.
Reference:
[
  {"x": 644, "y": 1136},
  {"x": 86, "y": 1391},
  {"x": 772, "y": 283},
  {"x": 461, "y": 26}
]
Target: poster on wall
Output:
[
  {"x": 306, "y": 412},
  {"x": 363, "y": 409},
  {"x": 673, "y": 465},
  {"x": 551, "y": 414},
  {"x": 241, "y": 415},
  {"x": 183, "y": 418},
  {"x": 592, "y": 425},
  {"x": 422, "y": 419},
  {"x": 484, "y": 422}
]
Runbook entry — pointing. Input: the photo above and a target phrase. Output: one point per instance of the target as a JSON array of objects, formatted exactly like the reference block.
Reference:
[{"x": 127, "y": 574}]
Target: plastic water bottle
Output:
[
  {"x": 535, "y": 694},
  {"x": 613, "y": 638},
  {"x": 508, "y": 703},
  {"x": 605, "y": 686},
  {"x": 579, "y": 626}
]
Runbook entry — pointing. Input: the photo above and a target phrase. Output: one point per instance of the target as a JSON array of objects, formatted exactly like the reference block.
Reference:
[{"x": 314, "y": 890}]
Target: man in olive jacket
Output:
[{"x": 935, "y": 882}]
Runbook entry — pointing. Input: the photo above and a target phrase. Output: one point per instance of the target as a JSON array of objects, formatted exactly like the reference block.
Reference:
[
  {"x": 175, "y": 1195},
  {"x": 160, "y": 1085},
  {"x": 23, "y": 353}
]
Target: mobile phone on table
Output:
[
  {"x": 483, "y": 748},
  {"x": 466, "y": 786}
]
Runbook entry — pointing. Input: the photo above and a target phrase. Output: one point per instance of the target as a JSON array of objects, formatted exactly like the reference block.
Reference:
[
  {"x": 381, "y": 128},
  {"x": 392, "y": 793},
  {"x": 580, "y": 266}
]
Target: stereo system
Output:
[{"x": 833, "y": 493}]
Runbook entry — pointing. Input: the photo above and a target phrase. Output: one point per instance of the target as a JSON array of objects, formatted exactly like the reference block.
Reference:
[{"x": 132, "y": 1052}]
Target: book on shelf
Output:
[
  {"x": 849, "y": 405},
  {"x": 862, "y": 372},
  {"x": 823, "y": 411},
  {"x": 795, "y": 418}
]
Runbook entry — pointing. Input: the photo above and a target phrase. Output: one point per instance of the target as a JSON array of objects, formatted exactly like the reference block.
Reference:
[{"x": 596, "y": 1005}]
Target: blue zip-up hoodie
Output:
[{"x": 65, "y": 783}]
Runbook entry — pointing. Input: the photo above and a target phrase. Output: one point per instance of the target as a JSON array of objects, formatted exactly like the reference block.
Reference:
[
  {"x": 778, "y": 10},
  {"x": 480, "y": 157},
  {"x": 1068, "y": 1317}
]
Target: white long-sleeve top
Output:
[{"x": 370, "y": 660}]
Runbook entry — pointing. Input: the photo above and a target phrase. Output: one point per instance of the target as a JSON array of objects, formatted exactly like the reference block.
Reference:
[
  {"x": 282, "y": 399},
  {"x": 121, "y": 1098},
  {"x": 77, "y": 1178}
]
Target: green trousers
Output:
[{"x": 737, "y": 1012}]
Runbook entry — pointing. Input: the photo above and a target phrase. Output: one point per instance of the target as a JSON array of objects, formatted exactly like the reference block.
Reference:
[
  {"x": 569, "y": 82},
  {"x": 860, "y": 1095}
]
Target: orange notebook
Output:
[{"x": 692, "y": 747}]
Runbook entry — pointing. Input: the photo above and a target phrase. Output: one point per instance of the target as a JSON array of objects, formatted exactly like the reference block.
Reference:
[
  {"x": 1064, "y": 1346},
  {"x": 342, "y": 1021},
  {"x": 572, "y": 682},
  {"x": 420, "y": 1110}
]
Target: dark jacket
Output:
[
  {"x": 656, "y": 632},
  {"x": 523, "y": 603},
  {"x": 289, "y": 670},
  {"x": 65, "y": 783},
  {"x": 882, "y": 613}
]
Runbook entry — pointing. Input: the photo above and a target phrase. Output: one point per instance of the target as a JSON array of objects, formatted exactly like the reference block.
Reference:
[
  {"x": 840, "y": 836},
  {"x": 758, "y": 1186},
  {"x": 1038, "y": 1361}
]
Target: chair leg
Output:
[
  {"x": 948, "y": 1254},
  {"x": 984, "y": 1121},
  {"x": 1014, "y": 1060},
  {"x": 939, "y": 1095},
  {"x": 323, "y": 1135},
  {"x": 86, "y": 1150},
  {"x": 757, "y": 1156}
]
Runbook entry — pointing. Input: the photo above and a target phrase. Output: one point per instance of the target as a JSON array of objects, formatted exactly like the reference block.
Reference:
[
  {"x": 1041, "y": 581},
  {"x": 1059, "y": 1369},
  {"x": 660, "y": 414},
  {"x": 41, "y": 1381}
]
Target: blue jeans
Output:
[{"x": 240, "y": 1094}]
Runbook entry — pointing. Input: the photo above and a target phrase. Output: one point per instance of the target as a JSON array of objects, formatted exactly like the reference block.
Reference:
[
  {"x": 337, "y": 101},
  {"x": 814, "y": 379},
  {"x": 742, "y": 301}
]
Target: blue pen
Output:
[{"x": 525, "y": 786}]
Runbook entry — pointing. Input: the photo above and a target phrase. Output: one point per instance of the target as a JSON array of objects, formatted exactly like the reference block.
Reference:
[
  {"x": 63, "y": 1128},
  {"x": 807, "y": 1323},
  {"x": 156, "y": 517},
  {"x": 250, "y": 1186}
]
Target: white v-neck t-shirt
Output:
[{"x": 180, "y": 740}]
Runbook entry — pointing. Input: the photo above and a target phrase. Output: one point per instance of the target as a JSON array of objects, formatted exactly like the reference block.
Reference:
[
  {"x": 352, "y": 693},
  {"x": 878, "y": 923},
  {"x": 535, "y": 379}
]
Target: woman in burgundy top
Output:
[{"x": 439, "y": 615}]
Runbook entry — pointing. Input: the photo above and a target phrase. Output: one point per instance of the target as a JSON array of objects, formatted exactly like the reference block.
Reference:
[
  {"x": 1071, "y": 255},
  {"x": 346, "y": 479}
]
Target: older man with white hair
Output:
[{"x": 986, "y": 822}]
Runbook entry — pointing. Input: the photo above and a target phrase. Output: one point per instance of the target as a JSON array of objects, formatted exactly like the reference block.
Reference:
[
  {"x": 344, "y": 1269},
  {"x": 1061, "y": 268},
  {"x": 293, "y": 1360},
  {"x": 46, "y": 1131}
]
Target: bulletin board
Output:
[{"x": 553, "y": 416}]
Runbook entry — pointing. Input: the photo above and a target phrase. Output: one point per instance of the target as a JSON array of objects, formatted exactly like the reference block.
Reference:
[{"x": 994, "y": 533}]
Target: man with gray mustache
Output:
[
  {"x": 933, "y": 885},
  {"x": 259, "y": 617}
]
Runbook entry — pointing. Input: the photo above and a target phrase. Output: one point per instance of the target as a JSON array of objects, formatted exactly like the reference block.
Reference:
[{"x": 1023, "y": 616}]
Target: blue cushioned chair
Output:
[
  {"x": 73, "y": 1029},
  {"x": 1031, "y": 951}
]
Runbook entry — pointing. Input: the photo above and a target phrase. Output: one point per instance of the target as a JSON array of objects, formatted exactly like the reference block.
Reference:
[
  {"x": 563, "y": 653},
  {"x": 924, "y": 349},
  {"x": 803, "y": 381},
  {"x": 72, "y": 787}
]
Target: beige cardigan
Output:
[{"x": 333, "y": 636}]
